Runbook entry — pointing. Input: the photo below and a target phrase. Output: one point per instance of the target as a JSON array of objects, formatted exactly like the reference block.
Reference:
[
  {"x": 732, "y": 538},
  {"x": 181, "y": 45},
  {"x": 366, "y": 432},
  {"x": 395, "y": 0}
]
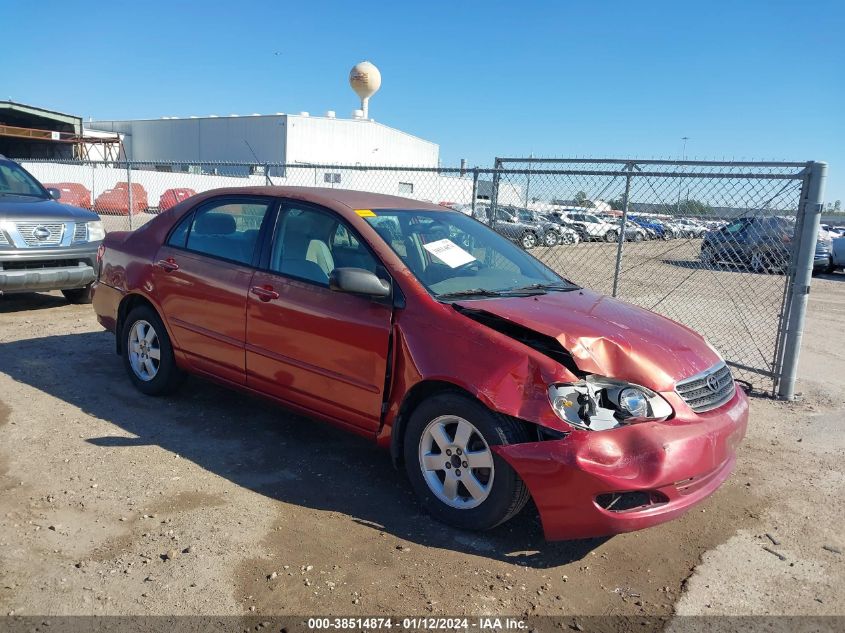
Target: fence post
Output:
[
  {"x": 621, "y": 240},
  {"x": 809, "y": 212},
  {"x": 474, "y": 188},
  {"x": 131, "y": 196},
  {"x": 494, "y": 194},
  {"x": 267, "y": 181}
]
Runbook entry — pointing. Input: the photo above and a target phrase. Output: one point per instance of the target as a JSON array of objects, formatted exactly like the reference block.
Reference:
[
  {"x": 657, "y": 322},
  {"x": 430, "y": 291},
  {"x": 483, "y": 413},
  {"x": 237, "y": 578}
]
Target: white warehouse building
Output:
[{"x": 273, "y": 138}]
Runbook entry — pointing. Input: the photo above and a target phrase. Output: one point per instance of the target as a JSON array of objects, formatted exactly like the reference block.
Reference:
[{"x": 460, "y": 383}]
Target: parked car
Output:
[
  {"x": 761, "y": 243},
  {"x": 570, "y": 233},
  {"x": 115, "y": 201},
  {"x": 656, "y": 227},
  {"x": 837, "y": 254},
  {"x": 73, "y": 193},
  {"x": 172, "y": 197},
  {"x": 553, "y": 232},
  {"x": 526, "y": 234},
  {"x": 44, "y": 244},
  {"x": 690, "y": 228},
  {"x": 593, "y": 227},
  {"x": 633, "y": 232},
  {"x": 490, "y": 378},
  {"x": 823, "y": 256}
]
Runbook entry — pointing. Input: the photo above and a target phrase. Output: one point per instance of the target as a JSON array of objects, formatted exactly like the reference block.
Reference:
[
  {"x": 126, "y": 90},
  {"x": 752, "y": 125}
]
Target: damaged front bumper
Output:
[{"x": 598, "y": 483}]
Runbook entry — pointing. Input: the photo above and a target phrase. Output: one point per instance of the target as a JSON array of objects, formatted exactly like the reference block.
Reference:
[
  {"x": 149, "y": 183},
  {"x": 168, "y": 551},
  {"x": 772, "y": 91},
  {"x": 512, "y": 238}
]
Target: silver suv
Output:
[{"x": 44, "y": 245}]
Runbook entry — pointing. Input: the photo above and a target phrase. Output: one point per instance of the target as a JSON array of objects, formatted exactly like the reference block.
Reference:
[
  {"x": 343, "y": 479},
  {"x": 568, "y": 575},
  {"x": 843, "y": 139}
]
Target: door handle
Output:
[
  {"x": 167, "y": 265},
  {"x": 265, "y": 293}
]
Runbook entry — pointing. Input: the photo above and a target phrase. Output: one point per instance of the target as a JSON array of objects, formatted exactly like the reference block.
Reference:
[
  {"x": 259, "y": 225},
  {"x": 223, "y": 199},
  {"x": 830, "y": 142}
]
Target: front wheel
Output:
[
  {"x": 454, "y": 472},
  {"x": 550, "y": 239},
  {"x": 611, "y": 236},
  {"x": 79, "y": 295},
  {"x": 148, "y": 353},
  {"x": 529, "y": 240}
]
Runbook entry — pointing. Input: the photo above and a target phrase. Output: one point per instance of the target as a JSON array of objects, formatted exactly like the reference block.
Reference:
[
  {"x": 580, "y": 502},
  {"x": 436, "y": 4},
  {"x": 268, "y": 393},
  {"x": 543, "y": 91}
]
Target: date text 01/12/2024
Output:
[{"x": 419, "y": 623}]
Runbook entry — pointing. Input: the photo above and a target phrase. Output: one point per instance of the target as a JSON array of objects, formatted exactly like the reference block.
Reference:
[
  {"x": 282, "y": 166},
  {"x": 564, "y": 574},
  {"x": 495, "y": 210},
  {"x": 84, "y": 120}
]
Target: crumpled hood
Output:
[{"x": 610, "y": 337}]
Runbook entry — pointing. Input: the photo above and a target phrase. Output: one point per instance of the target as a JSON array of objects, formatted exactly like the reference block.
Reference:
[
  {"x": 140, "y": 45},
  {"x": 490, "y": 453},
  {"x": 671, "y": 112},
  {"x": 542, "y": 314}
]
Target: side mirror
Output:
[
  {"x": 55, "y": 194},
  {"x": 358, "y": 281}
]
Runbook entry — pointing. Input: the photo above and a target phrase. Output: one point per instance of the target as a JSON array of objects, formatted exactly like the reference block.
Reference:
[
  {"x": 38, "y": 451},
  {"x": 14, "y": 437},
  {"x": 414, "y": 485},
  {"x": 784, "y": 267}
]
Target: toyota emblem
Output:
[
  {"x": 713, "y": 383},
  {"x": 41, "y": 233}
]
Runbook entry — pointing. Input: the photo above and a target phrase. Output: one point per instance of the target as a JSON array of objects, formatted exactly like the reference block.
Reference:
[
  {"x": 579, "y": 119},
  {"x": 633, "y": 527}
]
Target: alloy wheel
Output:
[
  {"x": 456, "y": 462},
  {"x": 529, "y": 240},
  {"x": 144, "y": 350}
]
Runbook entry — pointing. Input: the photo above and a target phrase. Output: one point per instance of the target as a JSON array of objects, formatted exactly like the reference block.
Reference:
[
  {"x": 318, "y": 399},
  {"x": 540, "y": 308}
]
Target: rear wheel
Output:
[
  {"x": 551, "y": 239},
  {"x": 79, "y": 295},
  {"x": 611, "y": 236},
  {"x": 451, "y": 466},
  {"x": 638, "y": 237},
  {"x": 708, "y": 257},
  {"x": 148, "y": 353},
  {"x": 529, "y": 240},
  {"x": 759, "y": 262}
]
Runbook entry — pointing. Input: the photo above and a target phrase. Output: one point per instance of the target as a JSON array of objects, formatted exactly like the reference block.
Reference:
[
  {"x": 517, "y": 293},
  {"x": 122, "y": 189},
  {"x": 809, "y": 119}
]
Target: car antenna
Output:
[{"x": 255, "y": 156}]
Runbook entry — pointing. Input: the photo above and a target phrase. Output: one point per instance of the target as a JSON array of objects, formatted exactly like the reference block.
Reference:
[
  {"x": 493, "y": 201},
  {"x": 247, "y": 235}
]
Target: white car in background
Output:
[{"x": 593, "y": 228}]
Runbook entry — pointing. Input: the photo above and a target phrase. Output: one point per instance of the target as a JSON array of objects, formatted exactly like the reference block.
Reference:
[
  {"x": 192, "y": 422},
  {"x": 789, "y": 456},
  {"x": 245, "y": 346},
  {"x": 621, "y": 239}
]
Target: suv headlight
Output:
[
  {"x": 598, "y": 403},
  {"x": 96, "y": 232}
]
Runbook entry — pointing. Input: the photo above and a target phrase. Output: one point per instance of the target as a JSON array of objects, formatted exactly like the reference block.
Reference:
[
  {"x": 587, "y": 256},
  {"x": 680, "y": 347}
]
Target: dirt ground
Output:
[{"x": 211, "y": 502}]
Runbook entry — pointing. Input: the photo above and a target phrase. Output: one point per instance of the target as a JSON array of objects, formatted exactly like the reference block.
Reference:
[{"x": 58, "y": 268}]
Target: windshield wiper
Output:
[
  {"x": 472, "y": 292},
  {"x": 562, "y": 287}
]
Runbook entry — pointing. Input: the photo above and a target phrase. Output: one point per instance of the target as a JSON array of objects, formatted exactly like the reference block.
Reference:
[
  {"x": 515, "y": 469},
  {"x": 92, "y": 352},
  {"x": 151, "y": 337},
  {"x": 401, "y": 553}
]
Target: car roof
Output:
[{"x": 332, "y": 197}]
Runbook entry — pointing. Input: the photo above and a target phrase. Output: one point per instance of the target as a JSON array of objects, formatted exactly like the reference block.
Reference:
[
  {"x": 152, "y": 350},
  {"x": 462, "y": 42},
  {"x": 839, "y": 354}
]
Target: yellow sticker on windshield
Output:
[{"x": 365, "y": 213}]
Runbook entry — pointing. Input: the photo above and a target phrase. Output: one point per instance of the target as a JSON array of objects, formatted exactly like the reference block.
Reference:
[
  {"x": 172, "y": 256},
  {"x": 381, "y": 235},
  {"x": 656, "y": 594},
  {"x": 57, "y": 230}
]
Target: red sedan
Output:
[{"x": 487, "y": 375}]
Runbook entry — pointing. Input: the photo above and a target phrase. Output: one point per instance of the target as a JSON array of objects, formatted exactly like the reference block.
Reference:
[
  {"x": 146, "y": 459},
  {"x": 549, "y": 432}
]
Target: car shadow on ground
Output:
[
  {"x": 29, "y": 301},
  {"x": 694, "y": 264},
  {"x": 262, "y": 447}
]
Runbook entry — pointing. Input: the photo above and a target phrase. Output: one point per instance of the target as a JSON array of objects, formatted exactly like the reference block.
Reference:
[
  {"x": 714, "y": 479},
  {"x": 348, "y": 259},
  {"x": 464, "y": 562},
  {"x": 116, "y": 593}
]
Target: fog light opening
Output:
[{"x": 633, "y": 501}]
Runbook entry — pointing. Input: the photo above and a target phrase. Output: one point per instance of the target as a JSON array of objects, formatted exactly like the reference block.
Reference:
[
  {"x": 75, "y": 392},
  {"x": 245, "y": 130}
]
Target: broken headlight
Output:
[{"x": 598, "y": 403}]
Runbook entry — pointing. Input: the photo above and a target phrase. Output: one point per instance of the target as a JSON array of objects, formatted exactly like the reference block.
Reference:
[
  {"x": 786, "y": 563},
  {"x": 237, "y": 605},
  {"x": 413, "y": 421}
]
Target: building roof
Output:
[{"x": 23, "y": 111}]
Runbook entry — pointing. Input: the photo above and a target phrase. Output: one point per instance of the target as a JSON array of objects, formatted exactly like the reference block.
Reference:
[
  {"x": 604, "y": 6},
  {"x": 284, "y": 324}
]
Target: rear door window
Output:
[{"x": 226, "y": 229}]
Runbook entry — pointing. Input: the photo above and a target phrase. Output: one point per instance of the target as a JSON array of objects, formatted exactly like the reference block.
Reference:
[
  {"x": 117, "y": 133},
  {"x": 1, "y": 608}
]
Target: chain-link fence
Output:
[{"x": 709, "y": 244}]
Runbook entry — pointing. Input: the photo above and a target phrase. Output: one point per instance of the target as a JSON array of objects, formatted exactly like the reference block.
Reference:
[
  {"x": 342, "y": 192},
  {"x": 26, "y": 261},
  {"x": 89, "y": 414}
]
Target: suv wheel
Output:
[
  {"x": 760, "y": 263},
  {"x": 529, "y": 240},
  {"x": 79, "y": 295},
  {"x": 452, "y": 469},
  {"x": 611, "y": 236},
  {"x": 638, "y": 237},
  {"x": 551, "y": 239},
  {"x": 148, "y": 353}
]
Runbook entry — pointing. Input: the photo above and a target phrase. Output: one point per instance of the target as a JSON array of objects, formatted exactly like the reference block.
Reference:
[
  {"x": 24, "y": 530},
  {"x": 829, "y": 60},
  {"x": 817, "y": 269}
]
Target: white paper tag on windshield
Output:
[{"x": 449, "y": 253}]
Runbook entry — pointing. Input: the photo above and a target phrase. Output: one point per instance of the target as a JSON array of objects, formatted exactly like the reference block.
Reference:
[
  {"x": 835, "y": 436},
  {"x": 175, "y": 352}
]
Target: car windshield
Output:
[
  {"x": 15, "y": 181},
  {"x": 454, "y": 256}
]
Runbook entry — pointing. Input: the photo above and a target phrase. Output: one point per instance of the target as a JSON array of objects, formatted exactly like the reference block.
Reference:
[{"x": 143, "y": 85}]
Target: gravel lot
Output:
[{"x": 211, "y": 502}]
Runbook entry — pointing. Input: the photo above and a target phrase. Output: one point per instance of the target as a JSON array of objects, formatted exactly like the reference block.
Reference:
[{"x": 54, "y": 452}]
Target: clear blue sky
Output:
[{"x": 755, "y": 79}]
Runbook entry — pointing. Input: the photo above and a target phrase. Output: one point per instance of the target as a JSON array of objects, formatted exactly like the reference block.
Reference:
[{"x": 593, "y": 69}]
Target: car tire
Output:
[
  {"x": 499, "y": 492},
  {"x": 760, "y": 263},
  {"x": 708, "y": 257},
  {"x": 611, "y": 236},
  {"x": 528, "y": 240},
  {"x": 79, "y": 295},
  {"x": 638, "y": 237},
  {"x": 551, "y": 239},
  {"x": 151, "y": 376}
]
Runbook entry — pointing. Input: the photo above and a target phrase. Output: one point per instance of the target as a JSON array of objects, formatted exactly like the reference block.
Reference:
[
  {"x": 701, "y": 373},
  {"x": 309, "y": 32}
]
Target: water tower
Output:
[{"x": 365, "y": 80}]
